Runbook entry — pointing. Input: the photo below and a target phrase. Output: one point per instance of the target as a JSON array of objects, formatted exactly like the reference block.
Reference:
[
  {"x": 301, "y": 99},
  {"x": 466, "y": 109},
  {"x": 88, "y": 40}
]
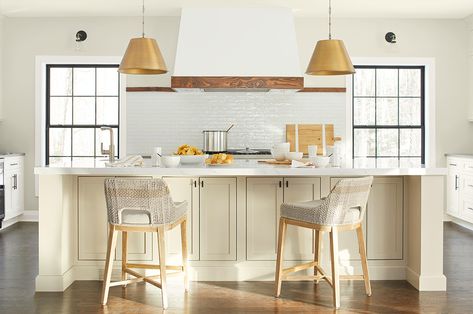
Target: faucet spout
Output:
[{"x": 111, "y": 148}]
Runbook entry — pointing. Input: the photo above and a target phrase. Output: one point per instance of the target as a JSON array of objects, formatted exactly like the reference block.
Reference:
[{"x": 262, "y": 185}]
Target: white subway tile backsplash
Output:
[{"x": 171, "y": 119}]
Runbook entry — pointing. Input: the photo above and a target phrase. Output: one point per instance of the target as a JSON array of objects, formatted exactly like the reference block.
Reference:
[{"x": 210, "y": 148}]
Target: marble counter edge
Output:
[{"x": 273, "y": 171}]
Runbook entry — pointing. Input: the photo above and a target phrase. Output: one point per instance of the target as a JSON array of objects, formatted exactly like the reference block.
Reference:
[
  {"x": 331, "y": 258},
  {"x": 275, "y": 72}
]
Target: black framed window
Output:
[
  {"x": 80, "y": 99},
  {"x": 388, "y": 116}
]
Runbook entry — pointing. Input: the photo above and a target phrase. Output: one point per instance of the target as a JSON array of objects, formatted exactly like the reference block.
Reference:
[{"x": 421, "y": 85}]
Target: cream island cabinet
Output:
[{"x": 233, "y": 218}]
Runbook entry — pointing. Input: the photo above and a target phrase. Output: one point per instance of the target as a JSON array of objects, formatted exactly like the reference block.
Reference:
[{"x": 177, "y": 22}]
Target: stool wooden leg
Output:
[
  {"x": 184, "y": 253},
  {"x": 335, "y": 273},
  {"x": 124, "y": 254},
  {"x": 162, "y": 266},
  {"x": 279, "y": 261},
  {"x": 112, "y": 242},
  {"x": 317, "y": 251},
  {"x": 364, "y": 263}
]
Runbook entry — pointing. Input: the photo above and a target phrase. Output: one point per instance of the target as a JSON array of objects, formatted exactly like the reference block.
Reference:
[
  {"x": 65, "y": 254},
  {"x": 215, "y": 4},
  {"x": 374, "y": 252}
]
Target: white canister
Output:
[{"x": 156, "y": 156}]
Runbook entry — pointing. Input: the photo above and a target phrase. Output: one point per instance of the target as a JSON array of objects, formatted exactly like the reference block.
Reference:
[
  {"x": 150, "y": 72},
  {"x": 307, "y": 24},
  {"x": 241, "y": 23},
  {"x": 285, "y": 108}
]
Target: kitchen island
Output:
[{"x": 234, "y": 212}]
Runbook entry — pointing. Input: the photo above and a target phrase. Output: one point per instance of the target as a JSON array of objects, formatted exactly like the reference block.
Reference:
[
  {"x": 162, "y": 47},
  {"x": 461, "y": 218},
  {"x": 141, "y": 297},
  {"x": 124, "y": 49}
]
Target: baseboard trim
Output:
[
  {"x": 460, "y": 222},
  {"x": 45, "y": 283},
  {"x": 426, "y": 283},
  {"x": 29, "y": 215}
]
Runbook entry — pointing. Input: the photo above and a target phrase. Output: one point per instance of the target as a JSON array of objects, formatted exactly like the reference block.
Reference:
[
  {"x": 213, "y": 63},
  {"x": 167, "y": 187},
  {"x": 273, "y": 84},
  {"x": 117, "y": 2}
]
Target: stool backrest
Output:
[
  {"x": 143, "y": 195},
  {"x": 346, "y": 203}
]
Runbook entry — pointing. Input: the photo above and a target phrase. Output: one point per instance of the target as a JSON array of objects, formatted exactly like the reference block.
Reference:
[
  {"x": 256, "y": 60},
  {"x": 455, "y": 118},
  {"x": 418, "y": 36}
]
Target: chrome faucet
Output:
[{"x": 111, "y": 148}]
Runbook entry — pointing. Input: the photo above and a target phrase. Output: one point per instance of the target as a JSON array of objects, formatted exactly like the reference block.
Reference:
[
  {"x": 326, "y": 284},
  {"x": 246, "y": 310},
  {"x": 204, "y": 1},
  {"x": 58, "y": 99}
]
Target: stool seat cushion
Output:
[
  {"x": 316, "y": 212},
  {"x": 142, "y": 217}
]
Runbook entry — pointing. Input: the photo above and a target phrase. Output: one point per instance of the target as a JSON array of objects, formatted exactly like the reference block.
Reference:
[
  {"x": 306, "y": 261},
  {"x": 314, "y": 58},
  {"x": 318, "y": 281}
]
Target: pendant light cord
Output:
[
  {"x": 143, "y": 19},
  {"x": 329, "y": 19}
]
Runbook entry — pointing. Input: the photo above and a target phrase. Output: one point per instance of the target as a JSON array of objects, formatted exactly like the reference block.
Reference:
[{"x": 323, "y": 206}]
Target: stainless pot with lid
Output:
[{"x": 215, "y": 141}]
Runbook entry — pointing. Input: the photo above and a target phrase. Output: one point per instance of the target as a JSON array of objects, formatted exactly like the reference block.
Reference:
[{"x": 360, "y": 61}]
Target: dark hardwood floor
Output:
[{"x": 18, "y": 269}]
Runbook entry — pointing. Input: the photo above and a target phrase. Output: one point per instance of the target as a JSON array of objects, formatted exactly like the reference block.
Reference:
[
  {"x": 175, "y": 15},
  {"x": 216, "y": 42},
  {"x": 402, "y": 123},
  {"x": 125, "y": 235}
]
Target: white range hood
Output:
[{"x": 237, "y": 50}]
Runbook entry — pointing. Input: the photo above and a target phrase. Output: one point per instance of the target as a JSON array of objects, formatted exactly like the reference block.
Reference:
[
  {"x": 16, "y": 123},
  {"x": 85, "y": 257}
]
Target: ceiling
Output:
[{"x": 318, "y": 8}]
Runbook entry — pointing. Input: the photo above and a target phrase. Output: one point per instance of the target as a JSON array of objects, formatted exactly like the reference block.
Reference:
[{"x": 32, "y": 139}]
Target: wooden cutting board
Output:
[{"x": 309, "y": 134}]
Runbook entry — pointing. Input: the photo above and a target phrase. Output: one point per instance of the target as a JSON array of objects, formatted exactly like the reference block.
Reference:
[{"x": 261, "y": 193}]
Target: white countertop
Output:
[{"x": 240, "y": 167}]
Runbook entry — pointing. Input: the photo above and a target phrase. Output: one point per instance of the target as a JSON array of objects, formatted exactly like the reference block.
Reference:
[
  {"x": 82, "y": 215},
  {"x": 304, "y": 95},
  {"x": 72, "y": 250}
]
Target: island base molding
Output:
[{"x": 233, "y": 229}]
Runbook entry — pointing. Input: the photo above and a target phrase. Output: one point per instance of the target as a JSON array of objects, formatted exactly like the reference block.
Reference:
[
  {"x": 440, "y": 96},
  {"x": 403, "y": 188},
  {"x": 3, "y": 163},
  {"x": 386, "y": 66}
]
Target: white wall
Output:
[{"x": 25, "y": 38}]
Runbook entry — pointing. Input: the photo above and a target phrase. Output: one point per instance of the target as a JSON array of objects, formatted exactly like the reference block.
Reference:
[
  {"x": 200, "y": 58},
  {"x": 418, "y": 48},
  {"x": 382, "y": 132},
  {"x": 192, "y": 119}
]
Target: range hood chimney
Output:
[{"x": 237, "y": 50}]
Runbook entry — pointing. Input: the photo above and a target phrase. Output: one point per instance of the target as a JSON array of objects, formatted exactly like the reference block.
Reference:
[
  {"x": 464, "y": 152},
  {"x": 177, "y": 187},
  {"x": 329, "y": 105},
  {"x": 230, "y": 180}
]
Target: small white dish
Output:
[
  {"x": 285, "y": 147},
  {"x": 294, "y": 155},
  {"x": 320, "y": 161},
  {"x": 171, "y": 161},
  {"x": 193, "y": 159},
  {"x": 278, "y": 154}
]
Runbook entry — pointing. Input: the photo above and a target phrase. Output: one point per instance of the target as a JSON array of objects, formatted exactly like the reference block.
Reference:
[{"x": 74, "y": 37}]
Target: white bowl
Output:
[
  {"x": 320, "y": 161},
  {"x": 278, "y": 154},
  {"x": 294, "y": 155},
  {"x": 171, "y": 161},
  {"x": 282, "y": 147},
  {"x": 193, "y": 159}
]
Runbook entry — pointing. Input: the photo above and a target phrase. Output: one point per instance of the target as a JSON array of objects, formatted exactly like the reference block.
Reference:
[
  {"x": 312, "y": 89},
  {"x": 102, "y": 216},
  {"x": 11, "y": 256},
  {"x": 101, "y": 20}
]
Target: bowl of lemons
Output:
[{"x": 190, "y": 154}]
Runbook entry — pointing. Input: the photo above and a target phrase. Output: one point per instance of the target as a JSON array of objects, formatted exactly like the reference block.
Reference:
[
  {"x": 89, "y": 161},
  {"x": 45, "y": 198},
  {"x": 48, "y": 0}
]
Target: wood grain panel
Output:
[
  {"x": 309, "y": 134},
  {"x": 237, "y": 82}
]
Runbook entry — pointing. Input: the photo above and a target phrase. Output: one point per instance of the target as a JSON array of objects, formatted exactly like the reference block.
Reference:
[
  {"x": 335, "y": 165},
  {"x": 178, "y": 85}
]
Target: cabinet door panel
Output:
[
  {"x": 183, "y": 189},
  {"x": 92, "y": 219},
  {"x": 93, "y": 226},
  {"x": 298, "y": 245},
  {"x": 218, "y": 219},
  {"x": 264, "y": 199},
  {"x": 8, "y": 185},
  {"x": 453, "y": 187},
  {"x": 385, "y": 219}
]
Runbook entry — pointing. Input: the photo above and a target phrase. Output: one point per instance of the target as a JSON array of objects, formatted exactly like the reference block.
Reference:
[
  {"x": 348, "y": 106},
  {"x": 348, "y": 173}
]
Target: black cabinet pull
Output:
[
  {"x": 202, "y": 183},
  {"x": 195, "y": 183},
  {"x": 287, "y": 183},
  {"x": 456, "y": 182},
  {"x": 280, "y": 184}
]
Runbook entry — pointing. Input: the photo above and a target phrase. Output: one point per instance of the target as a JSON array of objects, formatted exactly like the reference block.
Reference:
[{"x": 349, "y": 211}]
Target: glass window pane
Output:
[
  {"x": 386, "y": 111},
  {"x": 84, "y": 81},
  {"x": 410, "y": 163},
  {"x": 387, "y": 142},
  {"x": 107, "y": 110},
  {"x": 364, "y": 81},
  {"x": 411, "y": 142},
  {"x": 409, "y": 82},
  {"x": 386, "y": 82},
  {"x": 364, "y": 111},
  {"x": 364, "y": 163},
  {"x": 60, "y": 161},
  {"x": 83, "y": 161},
  {"x": 107, "y": 81},
  {"x": 60, "y": 82},
  {"x": 409, "y": 111},
  {"x": 364, "y": 142},
  {"x": 84, "y": 110},
  {"x": 387, "y": 163},
  {"x": 103, "y": 136},
  {"x": 59, "y": 142},
  {"x": 60, "y": 110},
  {"x": 83, "y": 142}
]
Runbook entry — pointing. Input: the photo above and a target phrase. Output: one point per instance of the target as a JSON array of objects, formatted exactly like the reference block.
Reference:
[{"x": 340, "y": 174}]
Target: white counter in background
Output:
[{"x": 233, "y": 213}]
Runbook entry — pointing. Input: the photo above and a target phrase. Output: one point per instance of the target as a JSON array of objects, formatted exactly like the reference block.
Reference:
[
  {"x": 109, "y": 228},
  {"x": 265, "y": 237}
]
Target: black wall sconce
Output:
[
  {"x": 390, "y": 37},
  {"x": 81, "y": 36}
]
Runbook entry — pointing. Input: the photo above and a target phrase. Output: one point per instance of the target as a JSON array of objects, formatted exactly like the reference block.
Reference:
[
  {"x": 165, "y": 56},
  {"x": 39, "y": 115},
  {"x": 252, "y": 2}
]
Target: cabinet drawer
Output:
[
  {"x": 467, "y": 211},
  {"x": 468, "y": 165},
  {"x": 13, "y": 163},
  {"x": 468, "y": 187}
]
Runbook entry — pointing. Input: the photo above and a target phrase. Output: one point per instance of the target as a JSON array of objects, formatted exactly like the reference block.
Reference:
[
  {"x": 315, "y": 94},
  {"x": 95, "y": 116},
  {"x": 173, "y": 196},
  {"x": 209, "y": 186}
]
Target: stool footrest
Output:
[
  {"x": 299, "y": 268},
  {"x": 153, "y": 266}
]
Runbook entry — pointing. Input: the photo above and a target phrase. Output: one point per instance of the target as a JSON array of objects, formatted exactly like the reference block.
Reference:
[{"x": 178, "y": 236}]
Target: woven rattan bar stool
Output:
[
  {"x": 342, "y": 210},
  {"x": 142, "y": 205}
]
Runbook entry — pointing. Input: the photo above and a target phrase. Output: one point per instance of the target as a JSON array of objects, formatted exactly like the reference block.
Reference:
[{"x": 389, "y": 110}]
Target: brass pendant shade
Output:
[
  {"x": 143, "y": 56},
  {"x": 330, "y": 57}
]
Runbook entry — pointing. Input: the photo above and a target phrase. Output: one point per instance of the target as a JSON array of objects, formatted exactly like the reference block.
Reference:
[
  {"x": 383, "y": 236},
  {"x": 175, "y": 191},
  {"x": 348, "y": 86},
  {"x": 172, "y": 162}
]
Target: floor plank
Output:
[{"x": 19, "y": 266}]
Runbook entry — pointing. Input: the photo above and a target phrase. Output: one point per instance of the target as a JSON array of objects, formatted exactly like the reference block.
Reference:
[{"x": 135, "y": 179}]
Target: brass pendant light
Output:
[
  {"x": 330, "y": 57},
  {"x": 142, "y": 55}
]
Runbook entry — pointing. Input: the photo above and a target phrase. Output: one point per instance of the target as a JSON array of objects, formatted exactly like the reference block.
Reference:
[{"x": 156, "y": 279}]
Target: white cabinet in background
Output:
[
  {"x": 93, "y": 225},
  {"x": 460, "y": 187},
  {"x": 14, "y": 186},
  {"x": 218, "y": 219},
  {"x": 184, "y": 189},
  {"x": 453, "y": 187}
]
